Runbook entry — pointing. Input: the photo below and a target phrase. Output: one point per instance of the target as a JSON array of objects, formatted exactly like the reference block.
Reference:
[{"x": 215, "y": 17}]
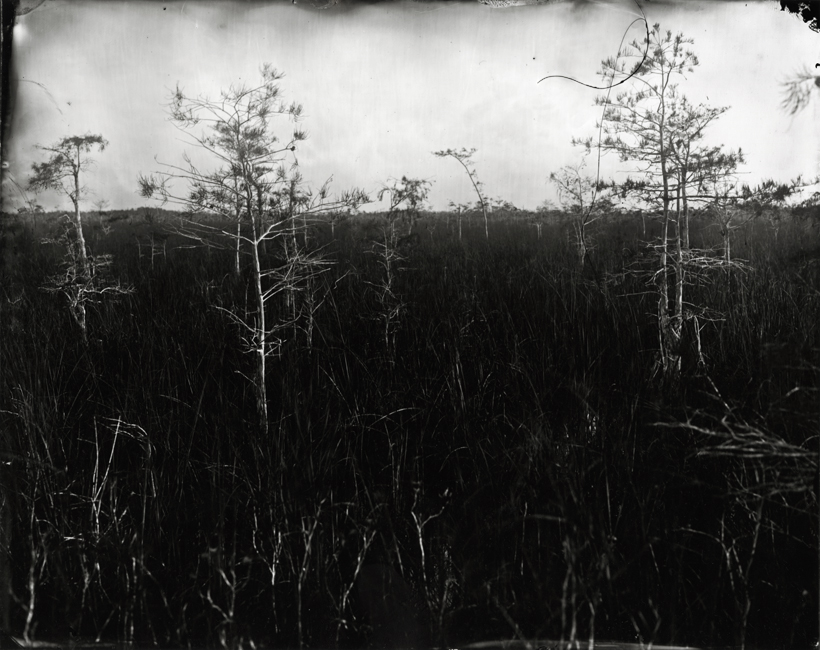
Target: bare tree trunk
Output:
[
  {"x": 668, "y": 333},
  {"x": 727, "y": 243},
  {"x": 236, "y": 268},
  {"x": 580, "y": 230},
  {"x": 78, "y": 299},
  {"x": 389, "y": 248},
  {"x": 669, "y": 338},
  {"x": 305, "y": 229},
  {"x": 260, "y": 334},
  {"x": 291, "y": 255},
  {"x": 78, "y": 227},
  {"x": 294, "y": 241},
  {"x": 677, "y": 322},
  {"x": 663, "y": 283}
]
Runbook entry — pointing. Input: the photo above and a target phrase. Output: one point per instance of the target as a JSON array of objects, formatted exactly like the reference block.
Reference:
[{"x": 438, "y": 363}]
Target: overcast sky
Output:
[{"x": 383, "y": 85}]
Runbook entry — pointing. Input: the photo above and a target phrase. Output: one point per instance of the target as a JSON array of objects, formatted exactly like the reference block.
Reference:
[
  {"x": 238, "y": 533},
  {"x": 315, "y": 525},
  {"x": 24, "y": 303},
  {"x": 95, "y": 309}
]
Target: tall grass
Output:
[{"x": 500, "y": 454}]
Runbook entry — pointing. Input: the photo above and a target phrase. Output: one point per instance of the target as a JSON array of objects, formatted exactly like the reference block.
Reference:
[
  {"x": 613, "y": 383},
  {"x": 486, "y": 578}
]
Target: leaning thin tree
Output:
[
  {"x": 464, "y": 157},
  {"x": 254, "y": 185}
]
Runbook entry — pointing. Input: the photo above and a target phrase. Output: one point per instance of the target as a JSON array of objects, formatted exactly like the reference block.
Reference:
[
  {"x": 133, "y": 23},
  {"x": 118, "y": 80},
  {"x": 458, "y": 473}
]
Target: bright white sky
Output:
[{"x": 385, "y": 84}]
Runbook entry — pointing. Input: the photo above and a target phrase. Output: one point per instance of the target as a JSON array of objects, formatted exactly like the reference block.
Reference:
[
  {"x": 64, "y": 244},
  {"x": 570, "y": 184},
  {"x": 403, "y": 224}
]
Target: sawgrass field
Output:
[{"x": 494, "y": 434}]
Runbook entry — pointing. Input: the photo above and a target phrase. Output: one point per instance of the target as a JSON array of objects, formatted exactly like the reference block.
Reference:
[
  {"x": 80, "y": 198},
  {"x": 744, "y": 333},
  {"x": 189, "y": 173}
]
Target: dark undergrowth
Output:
[{"x": 513, "y": 455}]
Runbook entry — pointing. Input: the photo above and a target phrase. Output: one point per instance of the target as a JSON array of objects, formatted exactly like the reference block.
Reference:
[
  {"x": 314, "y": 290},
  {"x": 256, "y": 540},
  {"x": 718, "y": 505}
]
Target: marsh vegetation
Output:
[{"x": 510, "y": 451}]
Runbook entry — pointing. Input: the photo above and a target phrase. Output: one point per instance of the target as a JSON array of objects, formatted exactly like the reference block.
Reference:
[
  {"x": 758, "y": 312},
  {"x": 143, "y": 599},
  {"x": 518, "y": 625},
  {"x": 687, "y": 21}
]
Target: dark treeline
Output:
[{"x": 504, "y": 462}]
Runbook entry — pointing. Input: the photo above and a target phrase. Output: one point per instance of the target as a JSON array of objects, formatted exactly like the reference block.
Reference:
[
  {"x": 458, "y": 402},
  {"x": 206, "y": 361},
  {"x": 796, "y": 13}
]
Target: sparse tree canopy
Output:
[
  {"x": 406, "y": 197},
  {"x": 411, "y": 192},
  {"x": 239, "y": 134},
  {"x": 69, "y": 158},
  {"x": 580, "y": 197},
  {"x": 63, "y": 168},
  {"x": 652, "y": 124},
  {"x": 256, "y": 179},
  {"x": 577, "y": 192}
]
